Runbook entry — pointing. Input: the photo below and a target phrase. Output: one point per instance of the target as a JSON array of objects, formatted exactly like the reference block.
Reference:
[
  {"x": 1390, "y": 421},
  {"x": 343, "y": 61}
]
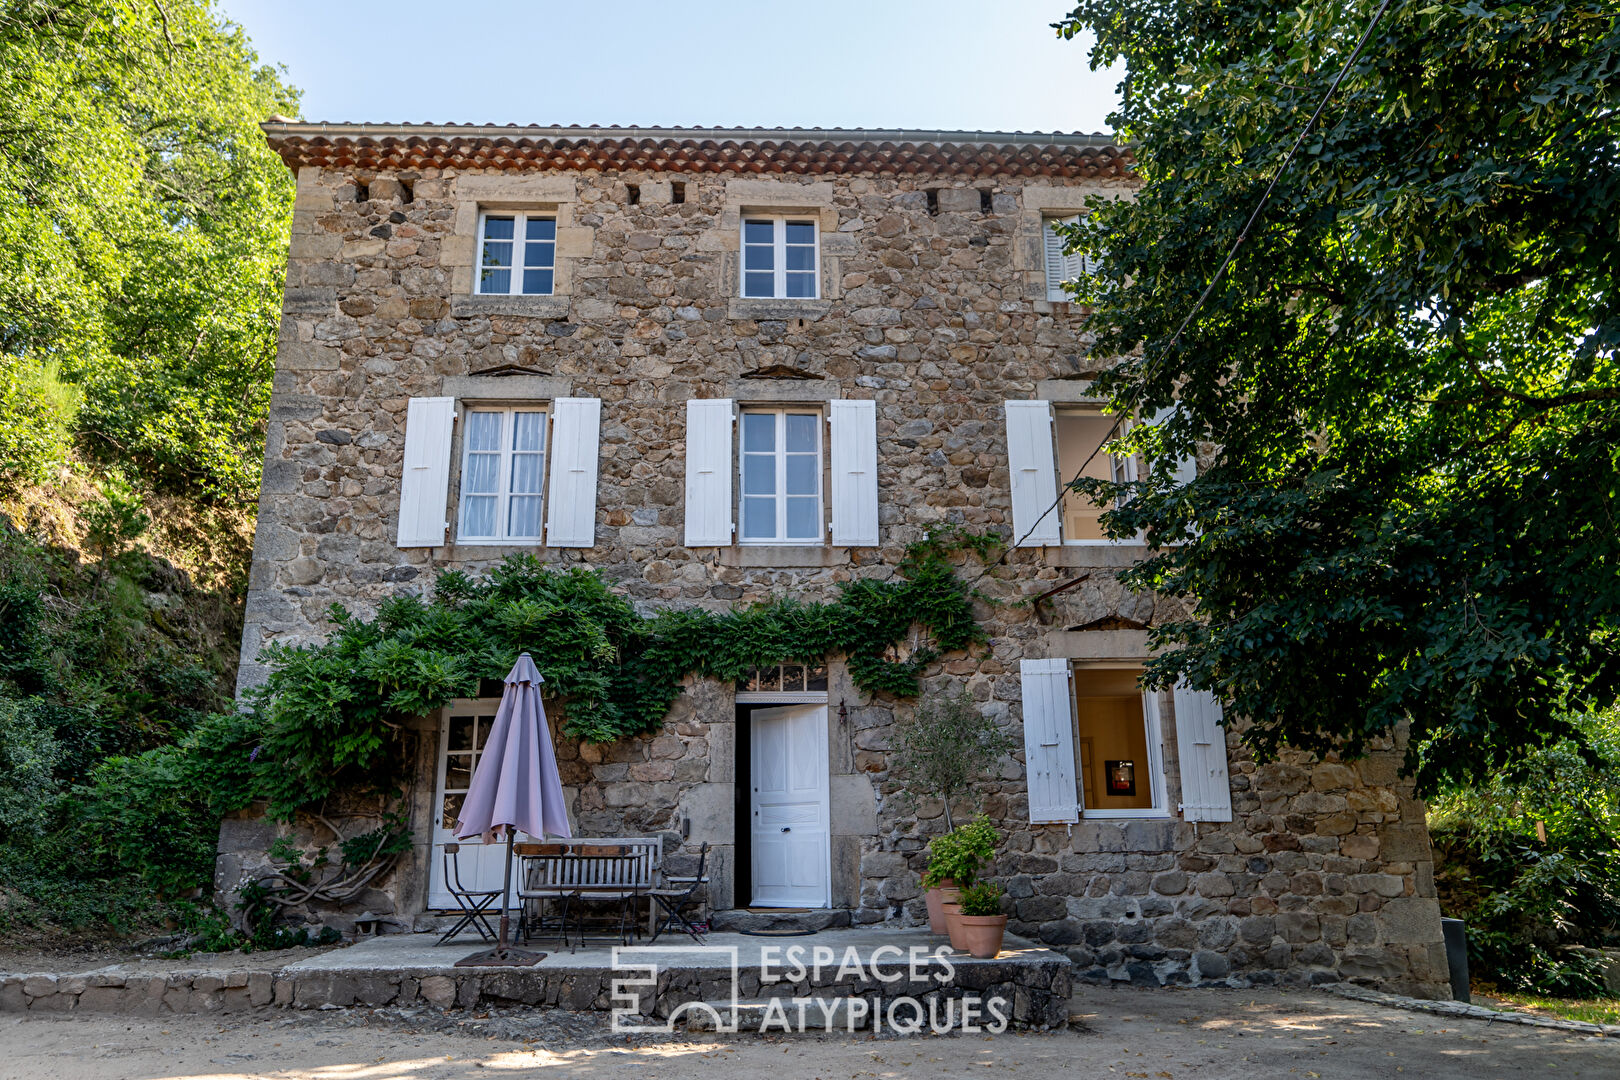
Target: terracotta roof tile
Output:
[{"x": 398, "y": 147}]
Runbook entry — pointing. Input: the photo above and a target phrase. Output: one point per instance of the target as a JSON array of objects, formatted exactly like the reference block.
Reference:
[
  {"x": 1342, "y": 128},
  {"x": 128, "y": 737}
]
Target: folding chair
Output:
[
  {"x": 675, "y": 898},
  {"x": 474, "y": 903}
]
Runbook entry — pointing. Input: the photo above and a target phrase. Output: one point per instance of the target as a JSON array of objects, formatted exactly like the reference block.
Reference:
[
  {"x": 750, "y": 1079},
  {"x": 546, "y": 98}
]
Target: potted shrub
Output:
[
  {"x": 979, "y": 923},
  {"x": 954, "y": 861}
]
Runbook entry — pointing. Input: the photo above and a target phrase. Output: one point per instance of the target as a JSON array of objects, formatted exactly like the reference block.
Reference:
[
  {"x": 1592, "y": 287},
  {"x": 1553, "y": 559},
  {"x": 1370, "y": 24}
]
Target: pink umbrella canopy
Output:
[{"x": 516, "y": 784}]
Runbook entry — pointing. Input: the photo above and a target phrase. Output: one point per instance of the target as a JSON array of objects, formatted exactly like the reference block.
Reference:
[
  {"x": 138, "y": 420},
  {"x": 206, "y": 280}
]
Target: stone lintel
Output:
[{"x": 494, "y": 388}]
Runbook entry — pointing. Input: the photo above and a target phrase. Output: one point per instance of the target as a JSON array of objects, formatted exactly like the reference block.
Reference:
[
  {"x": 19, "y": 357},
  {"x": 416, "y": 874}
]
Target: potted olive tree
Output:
[
  {"x": 980, "y": 925},
  {"x": 954, "y": 862},
  {"x": 942, "y": 750}
]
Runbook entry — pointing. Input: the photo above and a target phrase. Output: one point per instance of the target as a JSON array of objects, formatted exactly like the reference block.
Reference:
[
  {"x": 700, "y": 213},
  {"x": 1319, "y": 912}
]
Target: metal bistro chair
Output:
[
  {"x": 474, "y": 903},
  {"x": 536, "y": 884},
  {"x": 677, "y": 894}
]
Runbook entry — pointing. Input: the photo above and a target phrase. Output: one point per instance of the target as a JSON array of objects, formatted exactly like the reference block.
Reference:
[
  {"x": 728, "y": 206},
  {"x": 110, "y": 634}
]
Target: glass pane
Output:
[
  {"x": 758, "y": 232},
  {"x": 536, "y": 282},
  {"x": 484, "y": 431},
  {"x": 541, "y": 228},
  {"x": 801, "y": 431},
  {"x": 759, "y": 518},
  {"x": 759, "y": 474},
  {"x": 478, "y": 516},
  {"x": 484, "y": 723},
  {"x": 482, "y": 469},
  {"x": 457, "y": 772},
  {"x": 801, "y": 258},
  {"x": 451, "y": 811},
  {"x": 495, "y": 281},
  {"x": 801, "y": 519},
  {"x": 759, "y": 431},
  {"x": 770, "y": 679},
  {"x": 497, "y": 253},
  {"x": 801, "y": 474},
  {"x": 801, "y": 232},
  {"x": 528, "y": 430},
  {"x": 753, "y": 285},
  {"x": 756, "y": 257},
  {"x": 816, "y": 678},
  {"x": 801, "y": 286},
  {"x": 526, "y": 473},
  {"x": 792, "y": 676},
  {"x": 524, "y": 517},
  {"x": 497, "y": 228},
  {"x": 461, "y": 728},
  {"x": 539, "y": 255}
]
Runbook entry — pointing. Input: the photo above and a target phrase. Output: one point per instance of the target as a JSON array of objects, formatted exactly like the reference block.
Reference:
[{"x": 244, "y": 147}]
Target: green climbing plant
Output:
[{"x": 330, "y": 713}]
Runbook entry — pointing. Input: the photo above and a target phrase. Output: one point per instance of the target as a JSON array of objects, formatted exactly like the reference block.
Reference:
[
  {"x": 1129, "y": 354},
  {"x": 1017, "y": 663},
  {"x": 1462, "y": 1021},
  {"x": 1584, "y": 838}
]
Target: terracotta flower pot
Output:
[
  {"x": 981, "y": 935},
  {"x": 953, "y": 920},
  {"x": 944, "y": 891}
]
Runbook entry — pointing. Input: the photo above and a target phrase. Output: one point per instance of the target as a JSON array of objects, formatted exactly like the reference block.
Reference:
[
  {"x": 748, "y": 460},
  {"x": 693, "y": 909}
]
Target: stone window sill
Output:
[
  {"x": 537, "y": 307},
  {"x": 1082, "y": 555},
  {"x": 756, "y": 307},
  {"x": 783, "y": 556}
]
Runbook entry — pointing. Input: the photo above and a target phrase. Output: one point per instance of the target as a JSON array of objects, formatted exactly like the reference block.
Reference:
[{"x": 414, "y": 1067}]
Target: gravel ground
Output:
[{"x": 1158, "y": 1035}]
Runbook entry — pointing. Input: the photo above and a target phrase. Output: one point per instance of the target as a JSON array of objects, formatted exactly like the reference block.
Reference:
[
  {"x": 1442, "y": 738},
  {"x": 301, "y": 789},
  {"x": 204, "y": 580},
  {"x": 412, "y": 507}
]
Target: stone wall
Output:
[{"x": 933, "y": 307}]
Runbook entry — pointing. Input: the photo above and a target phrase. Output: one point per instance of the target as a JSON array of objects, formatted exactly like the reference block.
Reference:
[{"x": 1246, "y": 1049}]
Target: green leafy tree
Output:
[
  {"x": 143, "y": 228},
  {"x": 1404, "y": 384}
]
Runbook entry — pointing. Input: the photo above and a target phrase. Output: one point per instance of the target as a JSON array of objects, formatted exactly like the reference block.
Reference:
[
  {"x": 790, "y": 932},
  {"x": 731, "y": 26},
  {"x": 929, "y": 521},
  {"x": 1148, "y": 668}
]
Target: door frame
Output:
[{"x": 751, "y": 700}]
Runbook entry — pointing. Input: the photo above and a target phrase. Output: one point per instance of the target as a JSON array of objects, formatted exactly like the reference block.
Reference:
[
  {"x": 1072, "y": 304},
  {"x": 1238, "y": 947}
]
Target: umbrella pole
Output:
[
  {"x": 506, "y": 894},
  {"x": 503, "y": 955}
]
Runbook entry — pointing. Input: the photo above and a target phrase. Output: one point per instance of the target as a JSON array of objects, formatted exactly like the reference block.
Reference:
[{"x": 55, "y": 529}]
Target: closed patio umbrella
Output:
[{"x": 515, "y": 787}]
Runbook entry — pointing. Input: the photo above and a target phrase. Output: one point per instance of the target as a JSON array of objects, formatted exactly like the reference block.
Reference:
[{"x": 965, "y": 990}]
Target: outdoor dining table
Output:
[{"x": 576, "y": 876}]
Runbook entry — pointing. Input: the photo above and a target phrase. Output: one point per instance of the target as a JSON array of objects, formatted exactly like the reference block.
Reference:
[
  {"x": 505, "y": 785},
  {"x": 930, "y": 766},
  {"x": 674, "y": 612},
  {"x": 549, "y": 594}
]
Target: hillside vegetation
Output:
[{"x": 143, "y": 228}]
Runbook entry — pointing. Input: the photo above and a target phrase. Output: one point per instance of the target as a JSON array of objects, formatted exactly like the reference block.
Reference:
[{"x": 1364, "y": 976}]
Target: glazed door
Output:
[
  {"x": 789, "y": 788},
  {"x": 461, "y": 740}
]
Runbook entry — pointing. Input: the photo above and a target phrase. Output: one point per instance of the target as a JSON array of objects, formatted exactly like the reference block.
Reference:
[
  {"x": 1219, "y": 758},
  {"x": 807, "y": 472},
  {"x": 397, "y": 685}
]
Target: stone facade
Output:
[{"x": 933, "y": 306}]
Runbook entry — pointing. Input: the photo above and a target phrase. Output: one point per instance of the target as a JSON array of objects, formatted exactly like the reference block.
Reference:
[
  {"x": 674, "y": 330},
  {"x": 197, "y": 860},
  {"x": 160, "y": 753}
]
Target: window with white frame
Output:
[
  {"x": 781, "y": 476},
  {"x": 517, "y": 254},
  {"x": 1081, "y": 432},
  {"x": 1118, "y": 759},
  {"x": 1062, "y": 266},
  {"x": 502, "y": 476},
  {"x": 780, "y": 258}
]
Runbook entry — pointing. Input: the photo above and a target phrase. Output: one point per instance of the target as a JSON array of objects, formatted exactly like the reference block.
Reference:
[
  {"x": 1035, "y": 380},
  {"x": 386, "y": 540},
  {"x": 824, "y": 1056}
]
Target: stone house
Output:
[{"x": 723, "y": 365}]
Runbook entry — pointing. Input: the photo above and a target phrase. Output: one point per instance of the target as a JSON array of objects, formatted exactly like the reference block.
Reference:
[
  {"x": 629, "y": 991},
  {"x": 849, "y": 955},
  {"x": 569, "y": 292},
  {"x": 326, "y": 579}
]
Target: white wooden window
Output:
[
  {"x": 1118, "y": 745},
  {"x": 502, "y": 476},
  {"x": 1060, "y": 265},
  {"x": 517, "y": 254},
  {"x": 1080, "y": 432},
  {"x": 780, "y": 474},
  {"x": 780, "y": 258}
]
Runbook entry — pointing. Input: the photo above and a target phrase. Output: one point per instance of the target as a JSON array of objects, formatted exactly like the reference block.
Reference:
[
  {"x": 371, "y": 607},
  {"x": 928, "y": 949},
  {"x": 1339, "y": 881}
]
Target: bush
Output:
[
  {"x": 1531, "y": 861},
  {"x": 982, "y": 898},
  {"x": 959, "y": 854}
]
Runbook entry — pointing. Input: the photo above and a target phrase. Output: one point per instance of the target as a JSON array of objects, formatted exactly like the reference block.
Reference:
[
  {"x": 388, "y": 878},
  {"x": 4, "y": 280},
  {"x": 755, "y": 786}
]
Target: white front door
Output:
[
  {"x": 788, "y": 778},
  {"x": 461, "y": 741}
]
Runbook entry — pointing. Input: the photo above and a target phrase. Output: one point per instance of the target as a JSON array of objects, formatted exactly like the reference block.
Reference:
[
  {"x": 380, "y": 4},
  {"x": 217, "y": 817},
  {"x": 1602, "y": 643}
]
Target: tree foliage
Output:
[
  {"x": 1405, "y": 383},
  {"x": 143, "y": 228}
]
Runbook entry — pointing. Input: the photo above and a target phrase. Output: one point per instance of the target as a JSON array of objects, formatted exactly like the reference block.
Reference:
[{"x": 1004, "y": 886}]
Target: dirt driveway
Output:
[{"x": 1243, "y": 1035}]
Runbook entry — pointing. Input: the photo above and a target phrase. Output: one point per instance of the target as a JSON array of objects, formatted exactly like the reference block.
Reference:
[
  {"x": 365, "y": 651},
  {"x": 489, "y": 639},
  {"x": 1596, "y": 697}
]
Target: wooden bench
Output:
[{"x": 585, "y": 869}]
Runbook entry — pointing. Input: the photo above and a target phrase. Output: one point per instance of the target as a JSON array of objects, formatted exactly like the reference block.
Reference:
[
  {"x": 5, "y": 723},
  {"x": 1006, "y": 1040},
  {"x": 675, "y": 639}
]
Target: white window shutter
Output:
[
  {"x": 424, "y": 487},
  {"x": 571, "y": 507},
  {"x": 1186, "y": 470},
  {"x": 1061, "y": 267},
  {"x": 708, "y": 472},
  {"x": 1032, "y": 464},
  {"x": 853, "y": 450},
  {"x": 1049, "y": 742},
  {"x": 1206, "y": 789}
]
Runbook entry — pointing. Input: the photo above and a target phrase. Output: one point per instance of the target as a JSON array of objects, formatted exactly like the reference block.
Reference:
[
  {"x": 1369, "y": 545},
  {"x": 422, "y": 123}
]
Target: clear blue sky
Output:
[{"x": 974, "y": 64}]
